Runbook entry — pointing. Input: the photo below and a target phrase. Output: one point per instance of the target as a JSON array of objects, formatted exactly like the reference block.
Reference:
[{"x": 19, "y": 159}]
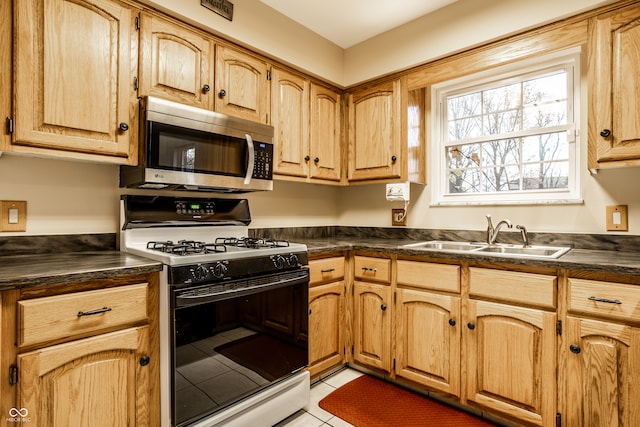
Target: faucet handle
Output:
[{"x": 525, "y": 236}]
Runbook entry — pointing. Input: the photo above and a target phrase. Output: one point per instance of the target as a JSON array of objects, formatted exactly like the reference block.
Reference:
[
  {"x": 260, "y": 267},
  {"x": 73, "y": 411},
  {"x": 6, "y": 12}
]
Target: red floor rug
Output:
[{"x": 370, "y": 402}]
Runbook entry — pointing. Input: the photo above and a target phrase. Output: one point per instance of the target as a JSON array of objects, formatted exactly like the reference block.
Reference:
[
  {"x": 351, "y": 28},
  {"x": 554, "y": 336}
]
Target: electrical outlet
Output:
[
  {"x": 617, "y": 218},
  {"x": 13, "y": 215},
  {"x": 398, "y": 217}
]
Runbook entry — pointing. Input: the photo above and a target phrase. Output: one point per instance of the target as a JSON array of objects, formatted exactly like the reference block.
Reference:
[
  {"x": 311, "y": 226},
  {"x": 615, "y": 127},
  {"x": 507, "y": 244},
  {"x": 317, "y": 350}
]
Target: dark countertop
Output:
[
  {"x": 19, "y": 271},
  {"x": 608, "y": 261}
]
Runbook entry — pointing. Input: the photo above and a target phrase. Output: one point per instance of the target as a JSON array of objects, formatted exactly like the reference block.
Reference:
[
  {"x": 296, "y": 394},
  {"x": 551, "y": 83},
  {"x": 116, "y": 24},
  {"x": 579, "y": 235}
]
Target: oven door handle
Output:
[
  {"x": 187, "y": 298},
  {"x": 252, "y": 159}
]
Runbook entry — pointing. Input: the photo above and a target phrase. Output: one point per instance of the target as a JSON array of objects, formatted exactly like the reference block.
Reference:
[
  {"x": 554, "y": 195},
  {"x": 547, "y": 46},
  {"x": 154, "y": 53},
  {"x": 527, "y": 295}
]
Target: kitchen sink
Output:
[
  {"x": 501, "y": 249},
  {"x": 443, "y": 245},
  {"x": 528, "y": 251}
]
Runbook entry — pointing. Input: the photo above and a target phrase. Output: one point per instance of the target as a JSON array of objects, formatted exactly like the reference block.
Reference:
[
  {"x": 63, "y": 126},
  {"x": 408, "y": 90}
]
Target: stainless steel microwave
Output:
[{"x": 189, "y": 148}]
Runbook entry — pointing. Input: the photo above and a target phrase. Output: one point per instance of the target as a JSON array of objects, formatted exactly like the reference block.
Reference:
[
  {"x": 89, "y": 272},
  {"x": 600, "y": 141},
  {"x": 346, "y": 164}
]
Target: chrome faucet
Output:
[
  {"x": 525, "y": 236},
  {"x": 492, "y": 232}
]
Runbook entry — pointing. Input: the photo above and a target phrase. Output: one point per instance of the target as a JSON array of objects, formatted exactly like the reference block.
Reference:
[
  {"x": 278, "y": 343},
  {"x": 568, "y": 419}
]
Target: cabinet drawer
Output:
[
  {"x": 605, "y": 299},
  {"x": 427, "y": 275},
  {"x": 64, "y": 316},
  {"x": 368, "y": 268},
  {"x": 530, "y": 289},
  {"x": 326, "y": 270}
]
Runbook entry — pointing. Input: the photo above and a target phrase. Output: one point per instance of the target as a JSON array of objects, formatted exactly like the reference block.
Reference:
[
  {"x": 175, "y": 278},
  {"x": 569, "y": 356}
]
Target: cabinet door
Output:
[
  {"x": 242, "y": 88},
  {"x": 614, "y": 86},
  {"x": 73, "y": 79},
  {"x": 511, "y": 361},
  {"x": 99, "y": 381},
  {"x": 428, "y": 339},
  {"x": 326, "y": 311},
  {"x": 326, "y": 142},
  {"x": 375, "y": 133},
  {"x": 175, "y": 63},
  {"x": 290, "y": 118},
  {"x": 603, "y": 367},
  {"x": 372, "y": 325}
]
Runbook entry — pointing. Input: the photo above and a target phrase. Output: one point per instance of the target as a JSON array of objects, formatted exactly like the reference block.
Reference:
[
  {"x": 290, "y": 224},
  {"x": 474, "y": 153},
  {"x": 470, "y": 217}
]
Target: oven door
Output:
[{"x": 234, "y": 340}]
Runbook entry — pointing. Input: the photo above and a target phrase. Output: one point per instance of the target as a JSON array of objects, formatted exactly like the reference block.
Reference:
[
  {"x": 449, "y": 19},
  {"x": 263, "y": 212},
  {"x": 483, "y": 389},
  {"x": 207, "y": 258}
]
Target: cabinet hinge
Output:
[
  {"x": 268, "y": 74},
  {"x": 13, "y": 374},
  {"x": 559, "y": 327},
  {"x": 138, "y": 23},
  {"x": 394, "y": 364},
  {"x": 394, "y": 297},
  {"x": 135, "y": 83},
  {"x": 9, "y": 125},
  {"x": 558, "y": 420}
]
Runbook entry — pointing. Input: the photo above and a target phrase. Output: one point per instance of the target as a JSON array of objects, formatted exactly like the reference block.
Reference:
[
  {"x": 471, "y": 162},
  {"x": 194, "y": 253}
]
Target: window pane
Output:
[
  {"x": 467, "y": 128},
  {"x": 464, "y": 105},
  {"x": 545, "y": 89},
  {"x": 544, "y": 176},
  {"x": 506, "y": 151},
  {"x": 501, "y": 178},
  {"x": 545, "y": 147},
  {"x": 463, "y": 156},
  {"x": 464, "y": 181}
]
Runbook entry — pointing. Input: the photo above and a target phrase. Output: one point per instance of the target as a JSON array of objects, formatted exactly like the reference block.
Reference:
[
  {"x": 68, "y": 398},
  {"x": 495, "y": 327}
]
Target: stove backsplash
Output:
[{"x": 45, "y": 244}]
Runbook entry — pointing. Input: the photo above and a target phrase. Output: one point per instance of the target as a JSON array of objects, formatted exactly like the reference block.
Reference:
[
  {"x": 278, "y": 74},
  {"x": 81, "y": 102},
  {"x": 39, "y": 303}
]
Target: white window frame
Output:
[{"x": 570, "y": 60}]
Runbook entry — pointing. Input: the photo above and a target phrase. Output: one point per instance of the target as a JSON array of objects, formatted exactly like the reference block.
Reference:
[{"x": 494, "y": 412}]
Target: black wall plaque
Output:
[{"x": 221, "y": 7}]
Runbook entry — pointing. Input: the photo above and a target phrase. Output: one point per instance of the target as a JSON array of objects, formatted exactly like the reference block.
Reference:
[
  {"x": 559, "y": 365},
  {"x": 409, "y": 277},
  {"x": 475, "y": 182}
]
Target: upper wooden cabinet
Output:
[
  {"x": 242, "y": 87},
  {"x": 5, "y": 69},
  {"x": 307, "y": 122},
  {"x": 614, "y": 89},
  {"x": 290, "y": 119},
  {"x": 375, "y": 133},
  {"x": 73, "y": 79},
  {"x": 325, "y": 150},
  {"x": 176, "y": 63}
]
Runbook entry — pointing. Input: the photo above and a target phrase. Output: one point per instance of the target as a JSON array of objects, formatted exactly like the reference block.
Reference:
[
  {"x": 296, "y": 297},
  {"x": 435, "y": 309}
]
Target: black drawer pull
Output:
[
  {"x": 605, "y": 300},
  {"x": 328, "y": 270},
  {"x": 369, "y": 269},
  {"x": 92, "y": 312}
]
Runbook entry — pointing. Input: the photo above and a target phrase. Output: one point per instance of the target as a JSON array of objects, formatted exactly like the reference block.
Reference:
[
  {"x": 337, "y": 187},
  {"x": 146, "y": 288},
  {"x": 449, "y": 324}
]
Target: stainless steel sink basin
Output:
[
  {"x": 501, "y": 249},
  {"x": 528, "y": 251},
  {"x": 443, "y": 245}
]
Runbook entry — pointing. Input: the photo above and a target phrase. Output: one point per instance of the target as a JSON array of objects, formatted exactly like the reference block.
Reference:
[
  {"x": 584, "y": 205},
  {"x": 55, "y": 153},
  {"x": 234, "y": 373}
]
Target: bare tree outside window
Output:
[{"x": 511, "y": 137}]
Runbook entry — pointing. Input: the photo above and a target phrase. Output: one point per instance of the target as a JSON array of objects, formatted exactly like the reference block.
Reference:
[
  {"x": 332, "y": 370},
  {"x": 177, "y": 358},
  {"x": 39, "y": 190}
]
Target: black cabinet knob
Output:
[
  {"x": 394, "y": 158},
  {"x": 452, "y": 322},
  {"x": 307, "y": 158},
  {"x": 605, "y": 133},
  {"x": 206, "y": 88},
  {"x": 309, "y": 312},
  {"x": 471, "y": 325},
  {"x": 222, "y": 93},
  {"x": 316, "y": 160},
  {"x": 124, "y": 127},
  {"x": 144, "y": 360},
  {"x": 575, "y": 348},
  {"x": 383, "y": 307}
]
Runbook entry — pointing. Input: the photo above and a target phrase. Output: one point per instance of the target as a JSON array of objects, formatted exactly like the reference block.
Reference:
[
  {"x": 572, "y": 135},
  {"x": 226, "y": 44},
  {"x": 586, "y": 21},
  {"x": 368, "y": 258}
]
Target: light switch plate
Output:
[
  {"x": 398, "y": 217},
  {"x": 617, "y": 218},
  {"x": 13, "y": 215}
]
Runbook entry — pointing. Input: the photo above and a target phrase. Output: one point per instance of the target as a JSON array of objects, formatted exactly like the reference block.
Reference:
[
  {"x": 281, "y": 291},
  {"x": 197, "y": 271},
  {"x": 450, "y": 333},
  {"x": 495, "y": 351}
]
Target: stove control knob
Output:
[
  {"x": 219, "y": 270},
  {"x": 292, "y": 260},
  {"x": 278, "y": 261},
  {"x": 200, "y": 272}
]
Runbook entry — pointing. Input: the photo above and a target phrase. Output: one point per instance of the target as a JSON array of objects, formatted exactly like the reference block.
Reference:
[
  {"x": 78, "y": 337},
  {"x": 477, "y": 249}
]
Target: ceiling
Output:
[{"x": 349, "y": 22}]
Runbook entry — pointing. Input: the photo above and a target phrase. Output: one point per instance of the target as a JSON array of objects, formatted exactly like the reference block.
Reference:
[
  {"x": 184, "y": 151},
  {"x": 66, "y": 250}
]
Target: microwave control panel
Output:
[{"x": 263, "y": 167}]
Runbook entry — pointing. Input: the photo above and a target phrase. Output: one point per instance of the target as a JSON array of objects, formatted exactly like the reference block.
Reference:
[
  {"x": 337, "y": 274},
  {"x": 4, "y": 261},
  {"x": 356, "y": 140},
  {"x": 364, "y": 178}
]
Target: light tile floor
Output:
[{"x": 314, "y": 416}]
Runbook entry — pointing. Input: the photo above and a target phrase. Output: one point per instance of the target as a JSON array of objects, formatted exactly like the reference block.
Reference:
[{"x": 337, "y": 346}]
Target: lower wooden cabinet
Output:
[
  {"x": 428, "y": 339},
  {"x": 511, "y": 361},
  {"x": 372, "y": 316},
  {"x": 97, "y": 381},
  {"x": 603, "y": 369},
  {"x": 82, "y": 354},
  {"x": 326, "y": 327}
]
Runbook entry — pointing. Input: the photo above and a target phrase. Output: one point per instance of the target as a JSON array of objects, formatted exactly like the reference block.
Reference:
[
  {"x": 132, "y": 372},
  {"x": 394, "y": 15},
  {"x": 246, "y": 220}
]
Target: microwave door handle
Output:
[{"x": 252, "y": 158}]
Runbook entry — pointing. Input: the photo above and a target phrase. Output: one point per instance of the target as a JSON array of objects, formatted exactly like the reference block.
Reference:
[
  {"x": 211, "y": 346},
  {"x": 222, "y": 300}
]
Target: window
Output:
[{"x": 509, "y": 135}]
